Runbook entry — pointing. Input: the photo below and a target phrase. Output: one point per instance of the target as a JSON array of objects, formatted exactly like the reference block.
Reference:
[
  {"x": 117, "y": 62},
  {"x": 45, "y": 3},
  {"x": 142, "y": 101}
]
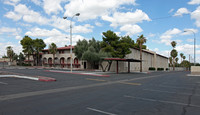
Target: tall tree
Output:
[
  {"x": 170, "y": 61},
  {"x": 53, "y": 50},
  {"x": 181, "y": 55},
  {"x": 80, "y": 48},
  {"x": 38, "y": 46},
  {"x": 27, "y": 45},
  {"x": 184, "y": 57},
  {"x": 173, "y": 53},
  {"x": 173, "y": 43},
  {"x": 176, "y": 59},
  {"x": 141, "y": 40},
  {"x": 21, "y": 58},
  {"x": 10, "y": 53},
  {"x": 114, "y": 45}
]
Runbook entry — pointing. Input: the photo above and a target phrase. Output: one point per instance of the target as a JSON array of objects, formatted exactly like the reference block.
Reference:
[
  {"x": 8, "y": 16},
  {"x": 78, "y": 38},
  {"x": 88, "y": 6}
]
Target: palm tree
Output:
[
  {"x": 173, "y": 43},
  {"x": 141, "y": 40},
  {"x": 176, "y": 59},
  {"x": 53, "y": 50},
  {"x": 170, "y": 61},
  {"x": 184, "y": 57},
  {"x": 174, "y": 53},
  {"x": 10, "y": 52},
  {"x": 181, "y": 54}
]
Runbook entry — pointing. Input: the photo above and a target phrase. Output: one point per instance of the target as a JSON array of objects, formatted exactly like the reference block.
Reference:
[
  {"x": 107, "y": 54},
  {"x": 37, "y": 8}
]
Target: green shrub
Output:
[
  {"x": 152, "y": 68},
  {"x": 160, "y": 69},
  {"x": 167, "y": 69}
]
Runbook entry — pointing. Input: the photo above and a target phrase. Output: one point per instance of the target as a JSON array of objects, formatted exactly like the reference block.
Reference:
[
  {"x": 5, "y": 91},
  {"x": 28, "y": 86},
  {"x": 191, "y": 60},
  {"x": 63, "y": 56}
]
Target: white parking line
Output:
[
  {"x": 168, "y": 92},
  {"x": 161, "y": 101},
  {"x": 107, "y": 113},
  {"x": 3, "y": 83}
]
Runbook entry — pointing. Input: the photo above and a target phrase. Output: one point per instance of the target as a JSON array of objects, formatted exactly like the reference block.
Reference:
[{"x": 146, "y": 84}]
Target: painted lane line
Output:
[
  {"x": 130, "y": 83},
  {"x": 3, "y": 83},
  {"x": 161, "y": 101},
  {"x": 96, "y": 110},
  {"x": 95, "y": 79},
  {"x": 49, "y": 91},
  {"x": 153, "y": 90}
]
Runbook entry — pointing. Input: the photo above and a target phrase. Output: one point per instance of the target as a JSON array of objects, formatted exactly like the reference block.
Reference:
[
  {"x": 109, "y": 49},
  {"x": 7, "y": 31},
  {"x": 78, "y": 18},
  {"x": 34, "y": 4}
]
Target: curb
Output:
[
  {"x": 37, "y": 78},
  {"x": 90, "y": 74}
]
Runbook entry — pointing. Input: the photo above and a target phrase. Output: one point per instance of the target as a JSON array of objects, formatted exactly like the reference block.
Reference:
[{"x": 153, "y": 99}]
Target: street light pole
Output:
[
  {"x": 194, "y": 45},
  {"x": 77, "y": 14}
]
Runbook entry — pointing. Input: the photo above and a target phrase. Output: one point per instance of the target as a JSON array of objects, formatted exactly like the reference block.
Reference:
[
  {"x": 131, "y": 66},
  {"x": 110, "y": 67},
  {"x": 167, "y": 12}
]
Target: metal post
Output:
[
  {"x": 71, "y": 44},
  {"x": 77, "y": 14},
  {"x": 194, "y": 45}
]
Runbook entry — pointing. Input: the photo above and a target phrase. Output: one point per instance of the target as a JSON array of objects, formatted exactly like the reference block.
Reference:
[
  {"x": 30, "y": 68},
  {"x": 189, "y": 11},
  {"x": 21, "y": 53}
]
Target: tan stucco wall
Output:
[
  {"x": 195, "y": 70},
  {"x": 149, "y": 59}
]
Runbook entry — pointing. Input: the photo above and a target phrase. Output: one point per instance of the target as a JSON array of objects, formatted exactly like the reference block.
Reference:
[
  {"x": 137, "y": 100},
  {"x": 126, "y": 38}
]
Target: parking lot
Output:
[{"x": 156, "y": 93}]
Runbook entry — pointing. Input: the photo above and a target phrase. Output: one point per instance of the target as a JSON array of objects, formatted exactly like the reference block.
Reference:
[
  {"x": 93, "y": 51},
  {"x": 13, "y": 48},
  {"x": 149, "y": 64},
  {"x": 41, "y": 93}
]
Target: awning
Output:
[{"x": 122, "y": 59}]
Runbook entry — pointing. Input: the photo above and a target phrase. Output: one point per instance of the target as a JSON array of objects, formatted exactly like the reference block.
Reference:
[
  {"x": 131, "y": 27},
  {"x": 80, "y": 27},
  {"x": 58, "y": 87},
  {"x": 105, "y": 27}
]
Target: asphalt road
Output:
[{"x": 157, "y": 93}]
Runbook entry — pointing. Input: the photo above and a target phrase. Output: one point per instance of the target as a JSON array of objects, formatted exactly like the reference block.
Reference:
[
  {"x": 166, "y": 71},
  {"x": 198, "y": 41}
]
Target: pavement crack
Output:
[{"x": 189, "y": 100}]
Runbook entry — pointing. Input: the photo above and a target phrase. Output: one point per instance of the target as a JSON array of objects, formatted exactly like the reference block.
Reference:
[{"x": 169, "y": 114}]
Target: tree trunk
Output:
[
  {"x": 141, "y": 57},
  {"x": 110, "y": 63},
  {"x": 53, "y": 60},
  {"x": 28, "y": 59},
  {"x": 173, "y": 64}
]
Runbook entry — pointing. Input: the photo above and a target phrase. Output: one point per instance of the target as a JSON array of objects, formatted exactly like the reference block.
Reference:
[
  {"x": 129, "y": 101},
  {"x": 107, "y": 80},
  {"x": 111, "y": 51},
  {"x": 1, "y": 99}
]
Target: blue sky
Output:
[{"x": 161, "y": 21}]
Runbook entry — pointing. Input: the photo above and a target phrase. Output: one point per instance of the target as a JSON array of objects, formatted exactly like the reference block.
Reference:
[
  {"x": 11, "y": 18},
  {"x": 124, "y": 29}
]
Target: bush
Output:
[
  {"x": 167, "y": 69},
  {"x": 24, "y": 64},
  {"x": 160, "y": 69},
  {"x": 152, "y": 68}
]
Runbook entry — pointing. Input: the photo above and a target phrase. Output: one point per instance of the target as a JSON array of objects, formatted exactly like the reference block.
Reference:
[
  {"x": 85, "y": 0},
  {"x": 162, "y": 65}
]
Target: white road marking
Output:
[
  {"x": 42, "y": 92},
  {"x": 3, "y": 83},
  {"x": 161, "y": 101},
  {"x": 107, "y": 113},
  {"x": 168, "y": 92}
]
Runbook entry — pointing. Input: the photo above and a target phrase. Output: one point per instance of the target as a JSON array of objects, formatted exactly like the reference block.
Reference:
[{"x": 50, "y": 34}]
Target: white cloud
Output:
[
  {"x": 166, "y": 37},
  {"x": 62, "y": 41},
  {"x": 64, "y": 25},
  {"x": 91, "y": 9},
  {"x": 16, "y": 47},
  {"x": 171, "y": 10},
  {"x": 21, "y": 11},
  {"x": 87, "y": 28},
  {"x": 151, "y": 35},
  {"x": 181, "y": 11},
  {"x": 12, "y": 31},
  {"x": 52, "y": 6},
  {"x": 190, "y": 40},
  {"x": 11, "y": 2},
  {"x": 187, "y": 48},
  {"x": 37, "y": 2},
  {"x": 14, "y": 16},
  {"x": 196, "y": 15},
  {"x": 120, "y": 18},
  {"x": 131, "y": 29},
  {"x": 192, "y": 2},
  {"x": 38, "y": 32},
  {"x": 98, "y": 24},
  {"x": 189, "y": 31}
]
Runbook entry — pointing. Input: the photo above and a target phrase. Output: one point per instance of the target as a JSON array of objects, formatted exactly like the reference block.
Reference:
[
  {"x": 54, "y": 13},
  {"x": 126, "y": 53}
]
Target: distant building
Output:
[
  {"x": 62, "y": 58},
  {"x": 149, "y": 59}
]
